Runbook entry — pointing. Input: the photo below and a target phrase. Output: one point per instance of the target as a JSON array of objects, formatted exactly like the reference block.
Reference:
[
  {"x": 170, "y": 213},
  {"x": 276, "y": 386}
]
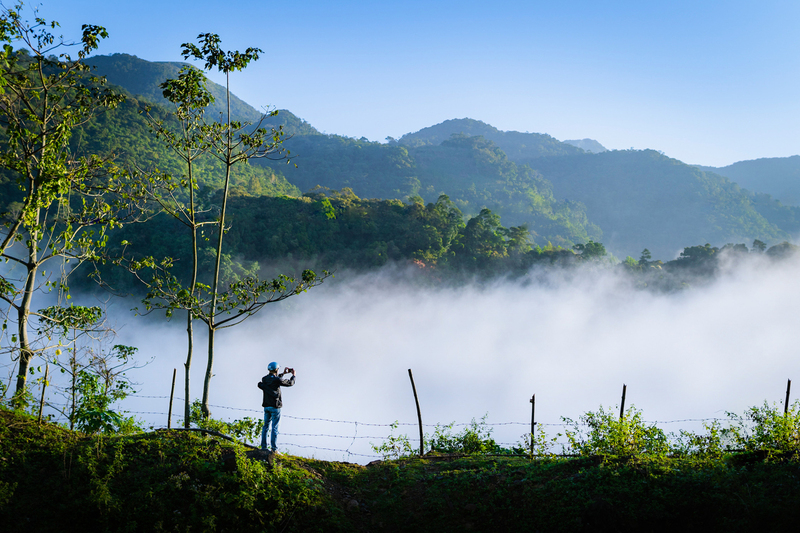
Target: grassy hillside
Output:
[{"x": 52, "y": 479}]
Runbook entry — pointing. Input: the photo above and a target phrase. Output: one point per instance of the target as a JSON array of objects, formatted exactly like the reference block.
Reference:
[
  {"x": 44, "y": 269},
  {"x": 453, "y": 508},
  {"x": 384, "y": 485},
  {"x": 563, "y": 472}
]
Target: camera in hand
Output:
[{"x": 288, "y": 370}]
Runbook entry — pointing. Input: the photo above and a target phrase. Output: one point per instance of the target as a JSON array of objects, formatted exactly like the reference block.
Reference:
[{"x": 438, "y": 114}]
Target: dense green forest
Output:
[
  {"x": 562, "y": 194},
  {"x": 645, "y": 199},
  {"x": 637, "y": 198},
  {"x": 472, "y": 171},
  {"x": 336, "y": 230},
  {"x": 125, "y": 135}
]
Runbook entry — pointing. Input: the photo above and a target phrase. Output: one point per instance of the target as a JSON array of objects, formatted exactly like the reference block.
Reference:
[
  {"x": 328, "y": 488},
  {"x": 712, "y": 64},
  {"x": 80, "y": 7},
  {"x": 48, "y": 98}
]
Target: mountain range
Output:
[
  {"x": 778, "y": 176},
  {"x": 565, "y": 192}
]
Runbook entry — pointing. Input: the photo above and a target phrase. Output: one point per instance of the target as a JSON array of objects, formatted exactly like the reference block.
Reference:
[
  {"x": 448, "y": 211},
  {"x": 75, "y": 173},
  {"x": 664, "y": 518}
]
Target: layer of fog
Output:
[{"x": 485, "y": 350}]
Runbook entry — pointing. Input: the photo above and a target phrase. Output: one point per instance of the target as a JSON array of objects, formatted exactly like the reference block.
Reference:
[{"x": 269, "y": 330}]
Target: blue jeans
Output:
[{"x": 271, "y": 414}]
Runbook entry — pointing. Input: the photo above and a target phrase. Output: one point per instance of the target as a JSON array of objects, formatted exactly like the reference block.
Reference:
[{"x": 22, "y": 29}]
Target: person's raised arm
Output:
[{"x": 288, "y": 382}]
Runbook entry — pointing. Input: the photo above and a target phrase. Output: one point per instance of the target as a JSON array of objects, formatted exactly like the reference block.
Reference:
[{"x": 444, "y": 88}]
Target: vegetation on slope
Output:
[
  {"x": 777, "y": 176},
  {"x": 628, "y": 199},
  {"x": 478, "y": 173},
  {"x": 472, "y": 171},
  {"x": 58, "y": 480},
  {"x": 336, "y": 229},
  {"x": 143, "y": 78},
  {"x": 642, "y": 198},
  {"x": 587, "y": 145},
  {"x": 125, "y": 135},
  {"x": 517, "y": 145}
]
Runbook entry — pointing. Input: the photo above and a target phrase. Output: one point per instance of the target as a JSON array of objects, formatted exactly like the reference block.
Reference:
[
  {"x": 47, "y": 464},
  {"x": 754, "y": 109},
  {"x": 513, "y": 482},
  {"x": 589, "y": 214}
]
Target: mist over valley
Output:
[
  {"x": 483, "y": 259},
  {"x": 572, "y": 339}
]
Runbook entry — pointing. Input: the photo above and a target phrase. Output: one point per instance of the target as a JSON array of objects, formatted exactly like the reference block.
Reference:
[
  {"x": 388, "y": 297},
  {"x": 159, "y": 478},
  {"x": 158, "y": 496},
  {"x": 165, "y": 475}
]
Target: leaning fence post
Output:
[
  {"x": 786, "y": 403},
  {"x": 622, "y": 404},
  {"x": 171, "y": 394},
  {"x": 419, "y": 414},
  {"x": 533, "y": 420}
]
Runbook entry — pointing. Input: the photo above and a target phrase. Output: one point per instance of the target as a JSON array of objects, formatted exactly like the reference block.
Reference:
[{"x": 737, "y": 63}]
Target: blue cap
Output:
[{"x": 272, "y": 367}]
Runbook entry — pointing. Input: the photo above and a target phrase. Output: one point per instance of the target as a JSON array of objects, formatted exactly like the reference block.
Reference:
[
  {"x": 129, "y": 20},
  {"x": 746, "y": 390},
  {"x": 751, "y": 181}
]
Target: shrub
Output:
[
  {"x": 766, "y": 428},
  {"x": 246, "y": 429},
  {"x": 395, "y": 446},
  {"x": 612, "y": 437},
  {"x": 474, "y": 439}
]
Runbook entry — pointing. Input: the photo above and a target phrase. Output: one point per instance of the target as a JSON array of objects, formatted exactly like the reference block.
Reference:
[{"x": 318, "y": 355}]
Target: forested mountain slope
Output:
[
  {"x": 628, "y": 199},
  {"x": 777, "y": 176},
  {"x": 588, "y": 145},
  {"x": 475, "y": 175},
  {"x": 515, "y": 144},
  {"x": 124, "y": 134},
  {"x": 644, "y": 199},
  {"x": 474, "y": 172},
  {"x": 142, "y": 78}
]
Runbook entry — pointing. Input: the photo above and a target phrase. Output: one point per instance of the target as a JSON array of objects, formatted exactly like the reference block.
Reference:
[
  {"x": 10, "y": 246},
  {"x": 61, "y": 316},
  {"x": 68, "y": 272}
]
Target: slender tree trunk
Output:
[
  {"x": 23, "y": 316},
  {"x": 34, "y": 181},
  {"x": 215, "y": 284},
  {"x": 74, "y": 390},
  {"x": 207, "y": 381},
  {"x": 190, "y": 318},
  {"x": 187, "y": 367}
]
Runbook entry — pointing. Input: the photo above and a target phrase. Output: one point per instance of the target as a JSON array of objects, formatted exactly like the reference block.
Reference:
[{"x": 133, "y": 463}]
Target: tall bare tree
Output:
[{"x": 224, "y": 302}]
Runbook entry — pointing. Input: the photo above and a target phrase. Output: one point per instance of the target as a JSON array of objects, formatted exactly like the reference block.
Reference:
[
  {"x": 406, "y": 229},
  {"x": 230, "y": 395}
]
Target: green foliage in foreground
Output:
[
  {"x": 52, "y": 479},
  {"x": 474, "y": 439},
  {"x": 57, "y": 480},
  {"x": 245, "y": 429},
  {"x": 609, "y": 436}
]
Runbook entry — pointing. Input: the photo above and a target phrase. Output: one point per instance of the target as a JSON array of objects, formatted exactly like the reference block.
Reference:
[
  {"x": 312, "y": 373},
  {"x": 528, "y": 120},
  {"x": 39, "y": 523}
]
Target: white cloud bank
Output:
[{"x": 695, "y": 354}]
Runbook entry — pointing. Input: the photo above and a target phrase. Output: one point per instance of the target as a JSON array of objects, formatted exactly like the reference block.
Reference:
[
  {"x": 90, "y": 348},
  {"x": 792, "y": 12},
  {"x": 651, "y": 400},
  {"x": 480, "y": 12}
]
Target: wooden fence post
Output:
[
  {"x": 533, "y": 421},
  {"x": 419, "y": 414},
  {"x": 786, "y": 403},
  {"x": 622, "y": 404},
  {"x": 171, "y": 394}
]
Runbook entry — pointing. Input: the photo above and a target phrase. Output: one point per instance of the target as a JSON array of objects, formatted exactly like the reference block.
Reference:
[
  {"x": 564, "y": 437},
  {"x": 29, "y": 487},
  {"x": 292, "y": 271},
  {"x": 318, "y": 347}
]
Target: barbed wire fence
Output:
[{"x": 355, "y": 437}]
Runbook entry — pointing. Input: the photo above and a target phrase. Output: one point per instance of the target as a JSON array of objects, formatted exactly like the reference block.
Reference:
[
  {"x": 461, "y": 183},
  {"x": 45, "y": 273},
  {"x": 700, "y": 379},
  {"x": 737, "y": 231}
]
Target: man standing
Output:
[{"x": 271, "y": 385}]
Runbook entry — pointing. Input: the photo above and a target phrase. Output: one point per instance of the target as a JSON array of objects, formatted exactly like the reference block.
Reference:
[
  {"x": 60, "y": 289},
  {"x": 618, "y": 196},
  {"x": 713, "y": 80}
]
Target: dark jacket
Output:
[{"x": 271, "y": 385}]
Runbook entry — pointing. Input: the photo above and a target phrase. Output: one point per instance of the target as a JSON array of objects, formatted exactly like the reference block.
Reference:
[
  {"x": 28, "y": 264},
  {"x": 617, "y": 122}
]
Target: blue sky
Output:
[{"x": 705, "y": 82}]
